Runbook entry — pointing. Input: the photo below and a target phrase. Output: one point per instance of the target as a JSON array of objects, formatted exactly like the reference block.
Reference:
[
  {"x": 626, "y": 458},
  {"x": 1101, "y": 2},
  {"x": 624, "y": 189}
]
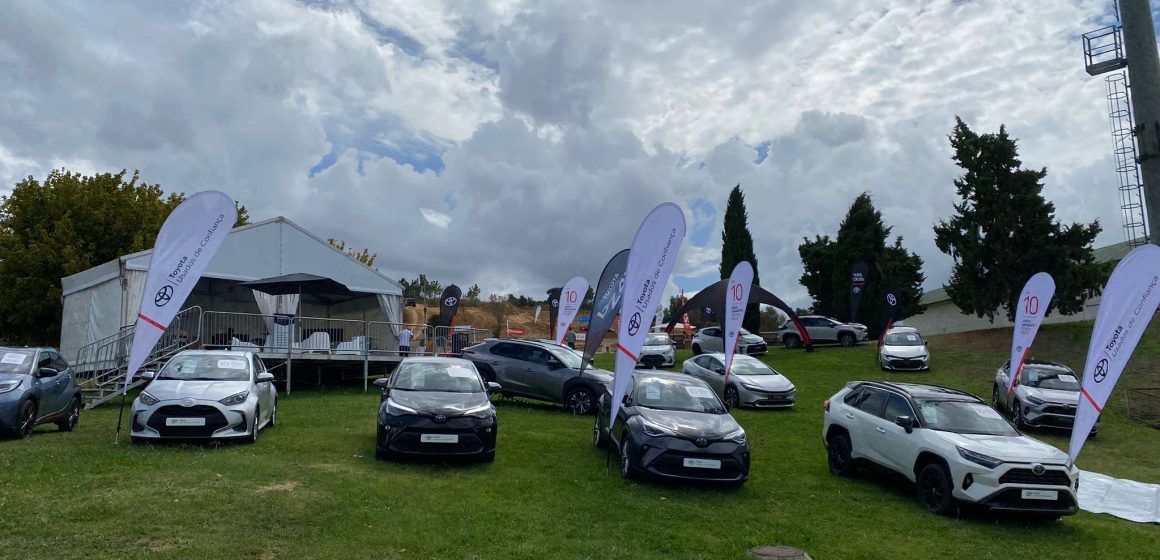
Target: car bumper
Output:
[
  {"x": 10, "y": 409},
  {"x": 172, "y": 420},
  {"x": 657, "y": 359},
  {"x": 904, "y": 364},
  {"x": 403, "y": 435},
  {"x": 665, "y": 458},
  {"x": 753, "y": 349},
  {"x": 1051, "y": 416},
  {"x": 1003, "y": 488},
  {"x": 766, "y": 399}
]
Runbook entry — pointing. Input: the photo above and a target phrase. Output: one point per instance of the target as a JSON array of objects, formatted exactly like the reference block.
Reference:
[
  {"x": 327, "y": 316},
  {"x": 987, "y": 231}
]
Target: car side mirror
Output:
[
  {"x": 719, "y": 371},
  {"x": 265, "y": 377},
  {"x": 906, "y": 422},
  {"x": 493, "y": 387},
  {"x": 148, "y": 375},
  {"x": 46, "y": 372},
  {"x": 382, "y": 382}
]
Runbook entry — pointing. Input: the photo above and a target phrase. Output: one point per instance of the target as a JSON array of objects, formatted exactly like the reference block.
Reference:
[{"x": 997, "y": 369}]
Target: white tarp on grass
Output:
[{"x": 1126, "y": 499}]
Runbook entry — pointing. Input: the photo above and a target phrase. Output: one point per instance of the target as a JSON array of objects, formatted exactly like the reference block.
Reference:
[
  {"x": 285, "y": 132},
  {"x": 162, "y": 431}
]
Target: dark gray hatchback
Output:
[
  {"x": 539, "y": 370},
  {"x": 36, "y": 387}
]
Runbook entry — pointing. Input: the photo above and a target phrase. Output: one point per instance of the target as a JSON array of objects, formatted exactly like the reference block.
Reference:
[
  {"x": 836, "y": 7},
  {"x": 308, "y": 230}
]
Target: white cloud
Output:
[{"x": 437, "y": 219}]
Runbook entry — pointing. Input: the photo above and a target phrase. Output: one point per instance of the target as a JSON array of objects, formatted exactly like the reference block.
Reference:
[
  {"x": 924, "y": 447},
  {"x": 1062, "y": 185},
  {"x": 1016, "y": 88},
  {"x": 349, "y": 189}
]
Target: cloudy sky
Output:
[{"x": 517, "y": 144}]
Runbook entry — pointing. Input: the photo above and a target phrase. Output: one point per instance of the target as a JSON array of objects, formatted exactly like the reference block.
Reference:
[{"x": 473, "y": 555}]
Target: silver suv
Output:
[
  {"x": 822, "y": 329},
  {"x": 539, "y": 370},
  {"x": 712, "y": 340}
]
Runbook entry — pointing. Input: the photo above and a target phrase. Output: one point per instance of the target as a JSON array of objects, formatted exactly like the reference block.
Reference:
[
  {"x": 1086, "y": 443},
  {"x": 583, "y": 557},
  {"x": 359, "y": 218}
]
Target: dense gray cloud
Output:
[{"x": 518, "y": 143}]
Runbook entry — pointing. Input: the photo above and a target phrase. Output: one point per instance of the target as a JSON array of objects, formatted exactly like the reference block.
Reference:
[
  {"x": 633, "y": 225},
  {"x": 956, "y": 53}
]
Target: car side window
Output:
[
  {"x": 715, "y": 365},
  {"x": 872, "y": 401},
  {"x": 507, "y": 350},
  {"x": 853, "y": 396},
  {"x": 58, "y": 362},
  {"x": 45, "y": 360},
  {"x": 537, "y": 356},
  {"x": 897, "y": 406},
  {"x": 261, "y": 364}
]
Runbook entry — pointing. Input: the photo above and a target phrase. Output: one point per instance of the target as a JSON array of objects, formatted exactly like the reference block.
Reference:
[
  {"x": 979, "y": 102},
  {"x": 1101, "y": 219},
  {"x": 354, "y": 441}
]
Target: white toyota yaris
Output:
[
  {"x": 952, "y": 445},
  {"x": 206, "y": 394}
]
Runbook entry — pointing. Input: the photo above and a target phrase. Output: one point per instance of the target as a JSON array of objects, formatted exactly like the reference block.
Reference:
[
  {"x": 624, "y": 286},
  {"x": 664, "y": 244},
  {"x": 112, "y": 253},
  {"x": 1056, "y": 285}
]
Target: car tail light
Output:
[{"x": 826, "y": 405}]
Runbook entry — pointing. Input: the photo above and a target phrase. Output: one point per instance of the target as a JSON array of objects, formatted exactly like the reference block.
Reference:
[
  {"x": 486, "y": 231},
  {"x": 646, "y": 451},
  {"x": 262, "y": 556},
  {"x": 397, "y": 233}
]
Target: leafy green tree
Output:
[
  {"x": 63, "y": 225},
  {"x": 862, "y": 236},
  {"x": 365, "y": 256},
  {"x": 1004, "y": 231},
  {"x": 473, "y": 294},
  {"x": 737, "y": 246}
]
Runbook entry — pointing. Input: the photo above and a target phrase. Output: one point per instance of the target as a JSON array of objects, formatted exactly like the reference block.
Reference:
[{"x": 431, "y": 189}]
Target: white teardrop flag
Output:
[
  {"x": 188, "y": 240},
  {"x": 1031, "y": 307},
  {"x": 650, "y": 263},
  {"x": 1127, "y": 305},
  {"x": 570, "y": 299},
  {"x": 736, "y": 299}
]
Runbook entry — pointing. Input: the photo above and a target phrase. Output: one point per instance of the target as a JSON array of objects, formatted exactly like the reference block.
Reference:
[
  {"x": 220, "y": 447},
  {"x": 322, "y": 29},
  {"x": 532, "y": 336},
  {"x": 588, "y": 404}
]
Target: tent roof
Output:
[{"x": 255, "y": 251}]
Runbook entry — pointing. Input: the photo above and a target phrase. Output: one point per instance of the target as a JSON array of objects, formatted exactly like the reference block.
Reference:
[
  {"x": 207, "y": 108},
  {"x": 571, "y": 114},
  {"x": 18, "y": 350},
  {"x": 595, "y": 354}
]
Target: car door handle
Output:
[
  {"x": 880, "y": 429},
  {"x": 849, "y": 416}
]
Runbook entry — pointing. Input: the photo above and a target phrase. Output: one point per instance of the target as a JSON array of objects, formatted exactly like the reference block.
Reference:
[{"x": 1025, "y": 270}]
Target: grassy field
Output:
[{"x": 312, "y": 489}]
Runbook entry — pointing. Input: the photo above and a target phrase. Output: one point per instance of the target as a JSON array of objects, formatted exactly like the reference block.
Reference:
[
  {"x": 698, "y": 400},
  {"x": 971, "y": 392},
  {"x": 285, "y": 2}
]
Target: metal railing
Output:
[
  {"x": 384, "y": 338},
  {"x": 452, "y": 340}
]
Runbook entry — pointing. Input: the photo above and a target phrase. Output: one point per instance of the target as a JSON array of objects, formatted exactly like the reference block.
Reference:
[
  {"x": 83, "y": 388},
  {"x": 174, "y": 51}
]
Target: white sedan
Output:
[
  {"x": 206, "y": 394},
  {"x": 751, "y": 382}
]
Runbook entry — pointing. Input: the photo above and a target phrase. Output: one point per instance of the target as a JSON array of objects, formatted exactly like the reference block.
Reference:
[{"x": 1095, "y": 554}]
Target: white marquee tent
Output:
[{"x": 99, "y": 302}]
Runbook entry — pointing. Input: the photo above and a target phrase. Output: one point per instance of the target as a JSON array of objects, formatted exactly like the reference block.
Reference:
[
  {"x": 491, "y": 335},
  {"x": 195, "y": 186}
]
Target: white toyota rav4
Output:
[{"x": 951, "y": 444}]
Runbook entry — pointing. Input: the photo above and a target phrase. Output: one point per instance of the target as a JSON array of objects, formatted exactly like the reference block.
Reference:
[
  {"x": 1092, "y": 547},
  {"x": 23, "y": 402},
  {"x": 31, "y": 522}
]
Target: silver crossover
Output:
[
  {"x": 751, "y": 382},
  {"x": 206, "y": 394}
]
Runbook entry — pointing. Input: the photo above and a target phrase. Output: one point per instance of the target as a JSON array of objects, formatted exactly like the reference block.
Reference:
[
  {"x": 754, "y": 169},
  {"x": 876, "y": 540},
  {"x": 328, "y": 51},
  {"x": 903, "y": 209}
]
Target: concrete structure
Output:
[{"x": 942, "y": 316}]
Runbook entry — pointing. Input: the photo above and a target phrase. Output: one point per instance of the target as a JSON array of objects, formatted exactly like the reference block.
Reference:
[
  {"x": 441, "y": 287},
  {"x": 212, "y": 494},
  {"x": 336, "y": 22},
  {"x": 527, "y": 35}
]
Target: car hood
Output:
[
  {"x": 439, "y": 402},
  {"x": 904, "y": 351},
  {"x": 1051, "y": 395},
  {"x": 11, "y": 377},
  {"x": 1010, "y": 448},
  {"x": 691, "y": 424},
  {"x": 168, "y": 390},
  {"x": 750, "y": 339},
  {"x": 601, "y": 375},
  {"x": 656, "y": 348},
  {"x": 766, "y": 382}
]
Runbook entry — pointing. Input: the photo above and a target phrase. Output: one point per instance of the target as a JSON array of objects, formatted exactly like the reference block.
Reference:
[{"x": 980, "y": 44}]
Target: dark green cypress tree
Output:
[{"x": 737, "y": 246}]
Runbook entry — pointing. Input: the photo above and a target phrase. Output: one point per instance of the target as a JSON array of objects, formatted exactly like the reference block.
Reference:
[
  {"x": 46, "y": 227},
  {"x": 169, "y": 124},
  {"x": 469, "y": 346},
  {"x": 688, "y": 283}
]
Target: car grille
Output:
[
  {"x": 907, "y": 364},
  {"x": 1066, "y": 410},
  {"x": 409, "y": 442},
  {"x": 1025, "y": 476},
  {"x": 673, "y": 464},
  {"x": 1012, "y": 498},
  {"x": 214, "y": 421},
  {"x": 758, "y": 348}
]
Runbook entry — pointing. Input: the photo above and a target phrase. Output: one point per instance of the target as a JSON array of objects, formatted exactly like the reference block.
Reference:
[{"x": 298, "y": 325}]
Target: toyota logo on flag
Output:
[
  {"x": 163, "y": 296},
  {"x": 555, "y": 303},
  {"x": 891, "y": 299},
  {"x": 450, "y": 301},
  {"x": 634, "y": 323},
  {"x": 1101, "y": 371}
]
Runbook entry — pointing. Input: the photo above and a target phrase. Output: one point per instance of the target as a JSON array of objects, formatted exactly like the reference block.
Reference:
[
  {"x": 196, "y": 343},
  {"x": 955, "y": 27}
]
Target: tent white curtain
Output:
[
  {"x": 392, "y": 306},
  {"x": 270, "y": 304},
  {"x": 134, "y": 287}
]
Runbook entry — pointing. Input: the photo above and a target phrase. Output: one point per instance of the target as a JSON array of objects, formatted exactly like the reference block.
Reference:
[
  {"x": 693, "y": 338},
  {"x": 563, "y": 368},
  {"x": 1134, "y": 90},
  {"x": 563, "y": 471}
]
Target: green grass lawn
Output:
[{"x": 312, "y": 489}]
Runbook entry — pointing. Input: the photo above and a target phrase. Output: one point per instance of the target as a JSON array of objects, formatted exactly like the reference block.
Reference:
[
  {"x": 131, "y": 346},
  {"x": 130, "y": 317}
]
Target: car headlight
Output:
[
  {"x": 656, "y": 430},
  {"x": 235, "y": 399},
  {"x": 9, "y": 385},
  {"x": 979, "y": 458},
  {"x": 147, "y": 399},
  {"x": 1034, "y": 400},
  {"x": 737, "y": 437},
  {"x": 482, "y": 411},
  {"x": 396, "y": 409},
  {"x": 750, "y": 387}
]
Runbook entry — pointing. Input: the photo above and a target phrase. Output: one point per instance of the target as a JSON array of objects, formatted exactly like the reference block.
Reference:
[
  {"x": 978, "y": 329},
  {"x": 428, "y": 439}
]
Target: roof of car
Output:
[
  {"x": 28, "y": 348},
  {"x": 433, "y": 359},
  {"x": 902, "y": 330},
  {"x": 237, "y": 353},
  {"x": 928, "y": 392},
  {"x": 642, "y": 374},
  {"x": 1044, "y": 364}
]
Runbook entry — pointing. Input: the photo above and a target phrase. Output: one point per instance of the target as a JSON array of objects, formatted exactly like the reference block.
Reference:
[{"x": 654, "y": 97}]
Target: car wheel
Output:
[
  {"x": 254, "y": 425},
  {"x": 838, "y": 455},
  {"x": 27, "y": 420},
  {"x": 847, "y": 339},
  {"x": 380, "y": 453},
  {"x": 599, "y": 440},
  {"x": 696, "y": 349},
  {"x": 1017, "y": 415},
  {"x": 69, "y": 423},
  {"x": 579, "y": 401},
  {"x": 731, "y": 399},
  {"x": 273, "y": 414},
  {"x": 627, "y": 471},
  {"x": 934, "y": 489},
  {"x": 792, "y": 341},
  {"x": 995, "y": 400}
]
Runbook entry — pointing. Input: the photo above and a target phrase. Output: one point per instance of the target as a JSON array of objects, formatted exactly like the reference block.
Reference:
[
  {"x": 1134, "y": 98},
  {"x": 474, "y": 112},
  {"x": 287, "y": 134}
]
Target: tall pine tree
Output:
[
  {"x": 1004, "y": 231},
  {"x": 737, "y": 246},
  {"x": 862, "y": 236}
]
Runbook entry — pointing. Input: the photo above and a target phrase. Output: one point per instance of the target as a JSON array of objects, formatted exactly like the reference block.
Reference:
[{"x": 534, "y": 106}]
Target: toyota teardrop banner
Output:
[
  {"x": 571, "y": 297},
  {"x": 186, "y": 243},
  {"x": 650, "y": 263},
  {"x": 449, "y": 305},
  {"x": 1127, "y": 305},
  {"x": 858, "y": 274},
  {"x": 605, "y": 304},
  {"x": 736, "y": 299},
  {"x": 1032, "y": 306}
]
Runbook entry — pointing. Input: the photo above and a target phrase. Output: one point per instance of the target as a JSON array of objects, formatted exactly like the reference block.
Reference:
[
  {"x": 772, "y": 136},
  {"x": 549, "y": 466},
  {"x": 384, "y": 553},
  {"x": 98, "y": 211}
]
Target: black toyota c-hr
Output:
[
  {"x": 436, "y": 407},
  {"x": 673, "y": 426}
]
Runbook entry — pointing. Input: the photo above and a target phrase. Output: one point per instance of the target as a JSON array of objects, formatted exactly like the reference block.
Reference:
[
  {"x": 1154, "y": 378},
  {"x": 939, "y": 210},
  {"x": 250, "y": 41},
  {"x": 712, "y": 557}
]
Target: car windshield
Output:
[
  {"x": 746, "y": 365},
  {"x": 437, "y": 376},
  {"x": 963, "y": 417},
  {"x": 1046, "y": 379},
  {"x": 676, "y": 394},
  {"x": 903, "y": 339},
  {"x": 16, "y": 361},
  {"x": 569, "y": 357},
  {"x": 207, "y": 367},
  {"x": 657, "y": 340}
]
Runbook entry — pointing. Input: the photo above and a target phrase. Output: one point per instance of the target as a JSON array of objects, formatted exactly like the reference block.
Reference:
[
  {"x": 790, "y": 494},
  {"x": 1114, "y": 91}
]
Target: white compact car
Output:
[
  {"x": 206, "y": 394},
  {"x": 903, "y": 349},
  {"x": 952, "y": 445},
  {"x": 751, "y": 382},
  {"x": 712, "y": 339}
]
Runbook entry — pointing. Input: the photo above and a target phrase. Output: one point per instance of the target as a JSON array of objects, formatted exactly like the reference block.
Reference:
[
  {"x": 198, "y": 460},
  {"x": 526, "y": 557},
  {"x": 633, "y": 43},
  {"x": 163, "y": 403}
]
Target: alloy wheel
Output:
[
  {"x": 731, "y": 399},
  {"x": 995, "y": 397},
  {"x": 625, "y": 461},
  {"x": 74, "y": 416},
  {"x": 27, "y": 421},
  {"x": 846, "y": 339},
  {"x": 580, "y": 402},
  {"x": 934, "y": 489},
  {"x": 254, "y": 426}
]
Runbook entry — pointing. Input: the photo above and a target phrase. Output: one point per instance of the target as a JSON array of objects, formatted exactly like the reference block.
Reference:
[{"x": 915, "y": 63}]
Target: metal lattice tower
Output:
[{"x": 1127, "y": 166}]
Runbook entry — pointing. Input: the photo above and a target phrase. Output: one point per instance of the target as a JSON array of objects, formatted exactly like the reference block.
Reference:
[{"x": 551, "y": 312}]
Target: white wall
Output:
[{"x": 944, "y": 317}]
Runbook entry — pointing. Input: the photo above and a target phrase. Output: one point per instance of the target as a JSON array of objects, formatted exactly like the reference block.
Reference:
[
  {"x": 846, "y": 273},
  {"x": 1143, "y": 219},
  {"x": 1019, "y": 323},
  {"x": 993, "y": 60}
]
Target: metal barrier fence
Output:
[
  {"x": 452, "y": 340},
  {"x": 385, "y": 338}
]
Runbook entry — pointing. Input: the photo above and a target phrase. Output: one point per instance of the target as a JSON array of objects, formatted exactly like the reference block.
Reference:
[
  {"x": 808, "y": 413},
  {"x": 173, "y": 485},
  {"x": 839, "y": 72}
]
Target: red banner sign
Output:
[{"x": 518, "y": 331}]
